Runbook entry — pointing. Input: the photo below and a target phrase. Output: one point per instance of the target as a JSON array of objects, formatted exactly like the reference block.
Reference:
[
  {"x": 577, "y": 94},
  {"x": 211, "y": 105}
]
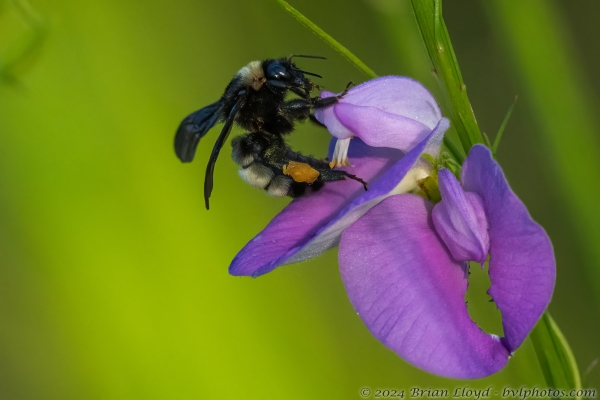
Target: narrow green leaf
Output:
[
  {"x": 554, "y": 355},
  {"x": 586, "y": 375},
  {"x": 337, "y": 46},
  {"x": 441, "y": 53},
  {"x": 494, "y": 147},
  {"x": 487, "y": 140}
]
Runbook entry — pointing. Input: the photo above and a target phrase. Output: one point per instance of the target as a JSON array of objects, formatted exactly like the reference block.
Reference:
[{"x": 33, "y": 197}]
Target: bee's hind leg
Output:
[
  {"x": 310, "y": 170},
  {"x": 332, "y": 175}
]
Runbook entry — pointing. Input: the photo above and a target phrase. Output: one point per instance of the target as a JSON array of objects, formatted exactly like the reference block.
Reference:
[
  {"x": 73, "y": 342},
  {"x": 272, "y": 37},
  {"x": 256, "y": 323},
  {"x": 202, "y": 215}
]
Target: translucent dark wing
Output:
[
  {"x": 210, "y": 168},
  {"x": 192, "y": 129}
]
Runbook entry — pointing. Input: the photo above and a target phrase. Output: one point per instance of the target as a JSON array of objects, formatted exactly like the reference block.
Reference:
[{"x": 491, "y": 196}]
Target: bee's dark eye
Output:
[{"x": 277, "y": 71}]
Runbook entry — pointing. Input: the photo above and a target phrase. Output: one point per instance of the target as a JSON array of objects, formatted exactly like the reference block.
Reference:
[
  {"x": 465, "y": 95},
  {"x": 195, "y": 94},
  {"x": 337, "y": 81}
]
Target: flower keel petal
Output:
[{"x": 460, "y": 220}]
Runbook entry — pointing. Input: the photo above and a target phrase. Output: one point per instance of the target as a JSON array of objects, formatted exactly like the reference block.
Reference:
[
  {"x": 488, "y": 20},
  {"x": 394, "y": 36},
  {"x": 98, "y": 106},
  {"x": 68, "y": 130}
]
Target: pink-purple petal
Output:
[
  {"x": 522, "y": 265},
  {"x": 379, "y": 128},
  {"x": 328, "y": 118},
  {"x": 460, "y": 220},
  {"x": 409, "y": 291}
]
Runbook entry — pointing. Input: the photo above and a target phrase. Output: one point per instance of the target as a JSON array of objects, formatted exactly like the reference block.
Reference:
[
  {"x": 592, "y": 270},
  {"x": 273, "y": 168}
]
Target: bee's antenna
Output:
[
  {"x": 305, "y": 56},
  {"x": 309, "y": 73}
]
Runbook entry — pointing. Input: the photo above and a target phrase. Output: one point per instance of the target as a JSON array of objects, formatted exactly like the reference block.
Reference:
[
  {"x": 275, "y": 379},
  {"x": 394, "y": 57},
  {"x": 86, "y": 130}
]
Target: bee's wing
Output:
[
  {"x": 193, "y": 128},
  {"x": 210, "y": 168}
]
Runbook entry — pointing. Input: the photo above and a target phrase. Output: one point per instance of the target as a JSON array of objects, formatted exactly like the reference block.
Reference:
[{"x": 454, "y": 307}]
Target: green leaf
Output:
[
  {"x": 441, "y": 53},
  {"x": 586, "y": 375},
  {"x": 502, "y": 127},
  {"x": 554, "y": 355},
  {"x": 337, "y": 46},
  {"x": 487, "y": 140}
]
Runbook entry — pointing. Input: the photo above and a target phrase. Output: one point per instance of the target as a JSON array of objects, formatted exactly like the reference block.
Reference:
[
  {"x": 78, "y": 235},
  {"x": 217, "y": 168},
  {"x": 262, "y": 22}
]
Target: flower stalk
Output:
[{"x": 445, "y": 67}]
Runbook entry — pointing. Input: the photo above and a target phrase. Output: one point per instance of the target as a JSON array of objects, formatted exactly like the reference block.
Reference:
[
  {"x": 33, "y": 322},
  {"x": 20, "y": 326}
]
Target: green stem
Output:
[
  {"x": 437, "y": 41},
  {"x": 554, "y": 355},
  {"x": 337, "y": 46}
]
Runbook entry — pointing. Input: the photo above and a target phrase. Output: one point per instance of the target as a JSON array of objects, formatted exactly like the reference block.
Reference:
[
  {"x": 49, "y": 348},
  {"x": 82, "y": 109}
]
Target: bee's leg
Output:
[
  {"x": 319, "y": 102},
  {"x": 317, "y": 164},
  {"x": 300, "y": 109},
  {"x": 325, "y": 173},
  {"x": 348, "y": 86},
  {"x": 297, "y": 109},
  {"x": 304, "y": 93},
  {"x": 332, "y": 175}
]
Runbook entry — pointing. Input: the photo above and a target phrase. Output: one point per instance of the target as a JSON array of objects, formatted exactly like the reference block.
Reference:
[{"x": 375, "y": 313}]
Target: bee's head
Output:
[
  {"x": 283, "y": 75},
  {"x": 280, "y": 75}
]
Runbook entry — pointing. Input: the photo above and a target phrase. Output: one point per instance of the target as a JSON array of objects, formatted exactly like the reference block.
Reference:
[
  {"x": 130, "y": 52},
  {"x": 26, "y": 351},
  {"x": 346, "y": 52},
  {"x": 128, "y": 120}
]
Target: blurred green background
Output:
[{"x": 113, "y": 276}]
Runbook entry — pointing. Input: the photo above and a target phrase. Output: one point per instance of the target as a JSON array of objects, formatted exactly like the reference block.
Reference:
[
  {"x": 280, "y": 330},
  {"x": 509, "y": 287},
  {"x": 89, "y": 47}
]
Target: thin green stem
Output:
[
  {"x": 337, "y": 46},
  {"x": 494, "y": 147},
  {"x": 441, "y": 53},
  {"x": 554, "y": 355}
]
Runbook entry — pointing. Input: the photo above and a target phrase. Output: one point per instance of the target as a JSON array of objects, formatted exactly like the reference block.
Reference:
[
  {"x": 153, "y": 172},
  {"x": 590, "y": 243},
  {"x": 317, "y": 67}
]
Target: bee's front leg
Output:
[{"x": 319, "y": 102}]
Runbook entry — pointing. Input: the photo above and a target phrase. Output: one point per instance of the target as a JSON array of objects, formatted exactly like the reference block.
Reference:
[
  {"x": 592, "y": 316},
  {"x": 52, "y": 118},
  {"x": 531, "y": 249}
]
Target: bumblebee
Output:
[{"x": 255, "y": 99}]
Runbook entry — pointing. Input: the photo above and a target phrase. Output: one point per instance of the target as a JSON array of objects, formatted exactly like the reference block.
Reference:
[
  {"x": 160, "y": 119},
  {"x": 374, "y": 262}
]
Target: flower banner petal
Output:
[
  {"x": 395, "y": 95},
  {"x": 410, "y": 292},
  {"x": 522, "y": 265},
  {"x": 379, "y": 128}
]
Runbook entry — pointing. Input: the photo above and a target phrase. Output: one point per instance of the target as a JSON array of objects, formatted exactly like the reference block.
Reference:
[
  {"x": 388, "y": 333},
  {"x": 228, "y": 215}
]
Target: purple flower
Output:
[
  {"x": 403, "y": 259},
  {"x": 391, "y": 111}
]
